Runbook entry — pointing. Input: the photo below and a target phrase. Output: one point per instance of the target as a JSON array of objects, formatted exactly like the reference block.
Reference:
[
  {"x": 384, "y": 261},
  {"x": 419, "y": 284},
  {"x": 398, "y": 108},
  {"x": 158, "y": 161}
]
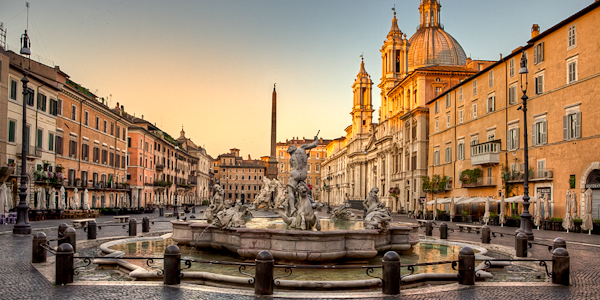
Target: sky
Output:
[{"x": 211, "y": 65}]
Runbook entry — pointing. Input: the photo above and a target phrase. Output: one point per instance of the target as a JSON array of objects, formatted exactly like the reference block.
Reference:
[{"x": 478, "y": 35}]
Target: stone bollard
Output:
[
  {"x": 521, "y": 245},
  {"x": 71, "y": 238},
  {"x": 561, "y": 266},
  {"x": 64, "y": 264},
  {"x": 38, "y": 254},
  {"x": 146, "y": 224},
  {"x": 485, "y": 234},
  {"x": 132, "y": 227},
  {"x": 61, "y": 232},
  {"x": 161, "y": 212},
  {"x": 559, "y": 243},
  {"x": 263, "y": 273},
  {"x": 92, "y": 230},
  {"x": 517, "y": 233},
  {"x": 466, "y": 266},
  {"x": 443, "y": 231},
  {"x": 172, "y": 265},
  {"x": 428, "y": 228},
  {"x": 391, "y": 273}
]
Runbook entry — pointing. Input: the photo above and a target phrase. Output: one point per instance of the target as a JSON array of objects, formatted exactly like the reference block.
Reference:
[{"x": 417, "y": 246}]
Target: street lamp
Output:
[
  {"x": 22, "y": 226},
  {"x": 175, "y": 211},
  {"x": 525, "y": 216}
]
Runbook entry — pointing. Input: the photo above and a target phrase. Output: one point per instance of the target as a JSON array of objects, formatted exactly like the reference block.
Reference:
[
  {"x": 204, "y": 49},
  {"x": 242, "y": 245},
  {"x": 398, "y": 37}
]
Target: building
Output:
[
  {"x": 392, "y": 153},
  {"x": 478, "y": 124},
  {"x": 240, "y": 179},
  {"x": 313, "y": 165},
  {"x": 200, "y": 167}
]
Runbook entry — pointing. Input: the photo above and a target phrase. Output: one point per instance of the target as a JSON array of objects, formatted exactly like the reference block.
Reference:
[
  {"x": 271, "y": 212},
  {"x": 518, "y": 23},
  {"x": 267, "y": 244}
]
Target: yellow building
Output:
[{"x": 478, "y": 124}]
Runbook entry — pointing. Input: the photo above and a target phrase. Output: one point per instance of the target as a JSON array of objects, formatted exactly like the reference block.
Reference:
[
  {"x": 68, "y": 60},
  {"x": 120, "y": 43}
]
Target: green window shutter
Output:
[{"x": 11, "y": 131}]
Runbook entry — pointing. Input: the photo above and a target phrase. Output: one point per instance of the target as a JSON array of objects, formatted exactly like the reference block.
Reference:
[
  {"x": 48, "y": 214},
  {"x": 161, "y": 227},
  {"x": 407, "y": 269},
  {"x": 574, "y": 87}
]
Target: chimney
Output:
[
  {"x": 535, "y": 30},
  {"x": 117, "y": 105},
  {"x": 142, "y": 117}
]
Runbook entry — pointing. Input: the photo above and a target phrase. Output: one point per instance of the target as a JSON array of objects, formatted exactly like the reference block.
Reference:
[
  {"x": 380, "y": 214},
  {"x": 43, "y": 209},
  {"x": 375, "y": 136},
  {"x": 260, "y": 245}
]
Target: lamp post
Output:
[
  {"x": 175, "y": 211},
  {"x": 525, "y": 216},
  {"x": 328, "y": 194},
  {"x": 22, "y": 226}
]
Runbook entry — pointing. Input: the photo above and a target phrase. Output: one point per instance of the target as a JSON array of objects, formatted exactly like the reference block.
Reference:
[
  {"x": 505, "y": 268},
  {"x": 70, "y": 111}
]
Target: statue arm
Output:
[{"x": 311, "y": 145}]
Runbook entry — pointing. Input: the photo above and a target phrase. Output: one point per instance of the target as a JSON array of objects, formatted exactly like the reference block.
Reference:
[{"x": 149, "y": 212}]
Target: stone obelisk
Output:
[{"x": 272, "y": 167}]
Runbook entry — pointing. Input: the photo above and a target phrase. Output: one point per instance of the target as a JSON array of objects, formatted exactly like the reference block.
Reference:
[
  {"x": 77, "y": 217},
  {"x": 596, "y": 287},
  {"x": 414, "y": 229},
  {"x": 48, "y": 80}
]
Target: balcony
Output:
[
  {"x": 481, "y": 182},
  {"x": 542, "y": 174},
  {"x": 486, "y": 153},
  {"x": 534, "y": 175},
  {"x": 160, "y": 168},
  {"x": 32, "y": 152}
]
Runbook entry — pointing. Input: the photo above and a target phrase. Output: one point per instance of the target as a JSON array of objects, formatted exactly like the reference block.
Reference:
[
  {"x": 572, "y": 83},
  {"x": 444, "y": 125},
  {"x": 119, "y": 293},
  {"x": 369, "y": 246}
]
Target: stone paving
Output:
[{"x": 20, "y": 280}]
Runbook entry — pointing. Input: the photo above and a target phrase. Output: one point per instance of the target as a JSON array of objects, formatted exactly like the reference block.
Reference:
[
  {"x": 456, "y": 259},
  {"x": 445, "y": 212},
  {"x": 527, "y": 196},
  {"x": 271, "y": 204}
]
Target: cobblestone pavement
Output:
[{"x": 20, "y": 280}]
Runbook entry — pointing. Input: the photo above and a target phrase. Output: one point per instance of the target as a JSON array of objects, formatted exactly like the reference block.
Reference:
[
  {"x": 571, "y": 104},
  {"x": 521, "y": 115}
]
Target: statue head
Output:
[
  {"x": 291, "y": 149},
  {"x": 302, "y": 188},
  {"x": 227, "y": 204},
  {"x": 374, "y": 191}
]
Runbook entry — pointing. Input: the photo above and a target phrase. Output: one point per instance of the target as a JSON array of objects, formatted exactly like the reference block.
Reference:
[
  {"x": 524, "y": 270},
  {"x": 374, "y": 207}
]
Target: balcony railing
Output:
[
  {"x": 486, "y": 153},
  {"x": 481, "y": 182},
  {"x": 160, "y": 168},
  {"x": 534, "y": 175},
  {"x": 543, "y": 174},
  {"x": 32, "y": 151}
]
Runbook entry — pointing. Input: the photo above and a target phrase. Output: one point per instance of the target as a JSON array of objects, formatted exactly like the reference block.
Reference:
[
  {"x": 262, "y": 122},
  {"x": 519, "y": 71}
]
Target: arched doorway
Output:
[{"x": 592, "y": 181}]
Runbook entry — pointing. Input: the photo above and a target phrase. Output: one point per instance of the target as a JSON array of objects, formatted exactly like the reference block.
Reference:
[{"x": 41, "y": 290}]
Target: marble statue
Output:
[
  {"x": 377, "y": 216},
  {"x": 298, "y": 161},
  {"x": 342, "y": 213},
  {"x": 232, "y": 216},
  {"x": 303, "y": 214},
  {"x": 372, "y": 200},
  {"x": 216, "y": 204}
]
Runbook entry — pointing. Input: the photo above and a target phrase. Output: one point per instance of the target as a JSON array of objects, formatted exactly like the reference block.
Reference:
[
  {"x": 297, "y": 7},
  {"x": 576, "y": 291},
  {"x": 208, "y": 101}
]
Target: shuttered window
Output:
[{"x": 572, "y": 126}]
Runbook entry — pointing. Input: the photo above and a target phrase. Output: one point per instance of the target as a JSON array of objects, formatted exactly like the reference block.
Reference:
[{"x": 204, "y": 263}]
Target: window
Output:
[
  {"x": 128, "y": 142},
  {"x": 86, "y": 118},
  {"x": 491, "y": 104},
  {"x": 59, "y": 145},
  {"x": 491, "y": 78},
  {"x": 512, "y": 94},
  {"x": 111, "y": 161},
  {"x": 30, "y": 96},
  {"x": 572, "y": 126},
  {"x": 474, "y": 140},
  {"x": 438, "y": 90},
  {"x": 448, "y": 121},
  {"x": 39, "y": 138},
  {"x": 436, "y": 157},
  {"x": 13, "y": 89},
  {"x": 119, "y": 132},
  {"x": 50, "y": 141},
  {"x": 460, "y": 151},
  {"x": 475, "y": 111},
  {"x": 104, "y": 126},
  {"x": 112, "y": 129},
  {"x": 105, "y": 157},
  {"x": 97, "y": 123},
  {"x": 475, "y": 86},
  {"x": 437, "y": 126},
  {"x": 41, "y": 102},
  {"x": 73, "y": 149},
  {"x": 460, "y": 93},
  {"x": 73, "y": 112},
  {"x": 12, "y": 128},
  {"x": 511, "y": 67},
  {"x": 538, "y": 53},
  {"x": 85, "y": 151},
  {"x": 448, "y": 154},
  {"x": 96, "y": 154},
  {"x": 447, "y": 100},
  {"x": 572, "y": 70},
  {"x": 572, "y": 37},
  {"x": 53, "y": 109},
  {"x": 512, "y": 139},
  {"x": 436, "y": 107},
  {"x": 539, "y": 84},
  {"x": 460, "y": 116},
  {"x": 539, "y": 135},
  {"x": 59, "y": 107},
  {"x": 125, "y": 135}
]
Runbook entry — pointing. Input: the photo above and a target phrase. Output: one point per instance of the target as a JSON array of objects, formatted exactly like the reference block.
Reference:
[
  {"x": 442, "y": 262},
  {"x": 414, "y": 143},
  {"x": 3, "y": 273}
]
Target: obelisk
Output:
[{"x": 272, "y": 167}]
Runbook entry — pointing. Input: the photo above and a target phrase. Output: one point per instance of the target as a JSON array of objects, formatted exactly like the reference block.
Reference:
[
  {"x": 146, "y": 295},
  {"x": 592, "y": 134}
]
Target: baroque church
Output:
[{"x": 391, "y": 154}]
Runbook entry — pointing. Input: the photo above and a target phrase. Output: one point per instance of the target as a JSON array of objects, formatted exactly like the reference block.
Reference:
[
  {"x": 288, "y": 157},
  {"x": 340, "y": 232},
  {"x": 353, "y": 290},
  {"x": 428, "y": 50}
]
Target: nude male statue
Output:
[
  {"x": 298, "y": 159},
  {"x": 372, "y": 201}
]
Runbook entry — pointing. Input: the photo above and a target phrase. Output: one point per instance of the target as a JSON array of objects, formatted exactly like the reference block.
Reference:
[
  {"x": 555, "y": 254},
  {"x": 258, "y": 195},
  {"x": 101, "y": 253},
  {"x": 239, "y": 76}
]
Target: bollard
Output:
[
  {"x": 559, "y": 243},
  {"x": 161, "y": 212},
  {"x": 428, "y": 228},
  {"x": 92, "y": 230},
  {"x": 391, "y": 273},
  {"x": 38, "y": 254},
  {"x": 263, "y": 273},
  {"x": 172, "y": 265},
  {"x": 64, "y": 264},
  {"x": 560, "y": 266},
  {"x": 485, "y": 234},
  {"x": 132, "y": 227},
  {"x": 444, "y": 231},
  {"x": 146, "y": 224},
  {"x": 466, "y": 266},
  {"x": 61, "y": 232},
  {"x": 194, "y": 209},
  {"x": 517, "y": 233},
  {"x": 71, "y": 238},
  {"x": 521, "y": 245}
]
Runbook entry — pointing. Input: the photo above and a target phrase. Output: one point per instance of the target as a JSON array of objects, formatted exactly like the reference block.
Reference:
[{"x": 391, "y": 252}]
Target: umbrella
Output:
[
  {"x": 434, "y": 208},
  {"x": 3, "y": 198},
  {"x": 9, "y": 203},
  {"x": 568, "y": 221},
  {"x": 546, "y": 206},
  {"x": 538, "y": 212},
  {"x": 452, "y": 209},
  {"x": 63, "y": 200},
  {"x": 52, "y": 199},
  {"x": 574, "y": 205},
  {"x": 128, "y": 201},
  {"x": 76, "y": 199},
  {"x": 587, "y": 222},
  {"x": 424, "y": 210},
  {"x": 111, "y": 198},
  {"x": 486, "y": 215},
  {"x": 39, "y": 199},
  {"x": 86, "y": 199},
  {"x": 502, "y": 218},
  {"x": 43, "y": 196}
]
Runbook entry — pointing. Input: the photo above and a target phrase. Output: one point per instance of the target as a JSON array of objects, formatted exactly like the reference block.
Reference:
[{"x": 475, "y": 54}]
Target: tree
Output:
[{"x": 435, "y": 185}]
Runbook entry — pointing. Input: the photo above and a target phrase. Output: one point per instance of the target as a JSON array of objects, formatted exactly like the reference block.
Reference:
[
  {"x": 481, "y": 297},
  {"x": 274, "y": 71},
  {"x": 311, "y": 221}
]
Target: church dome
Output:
[{"x": 431, "y": 45}]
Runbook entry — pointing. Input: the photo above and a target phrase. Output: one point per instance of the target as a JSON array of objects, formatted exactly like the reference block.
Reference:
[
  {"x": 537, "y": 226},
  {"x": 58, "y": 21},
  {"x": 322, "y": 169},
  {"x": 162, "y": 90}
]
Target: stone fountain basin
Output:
[{"x": 298, "y": 245}]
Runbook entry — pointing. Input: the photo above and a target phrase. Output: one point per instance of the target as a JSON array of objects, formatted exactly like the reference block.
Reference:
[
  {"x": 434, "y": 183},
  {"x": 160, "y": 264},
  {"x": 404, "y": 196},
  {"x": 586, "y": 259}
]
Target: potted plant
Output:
[
  {"x": 465, "y": 216},
  {"x": 494, "y": 219},
  {"x": 556, "y": 224},
  {"x": 59, "y": 168}
]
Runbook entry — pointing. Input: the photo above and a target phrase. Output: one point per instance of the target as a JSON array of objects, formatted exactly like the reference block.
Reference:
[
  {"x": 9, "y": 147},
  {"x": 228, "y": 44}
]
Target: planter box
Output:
[
  {"x": 468, "y": 219},
  {"x": 547, "y": 225},
  {"x": 577, "y": 227},
  {"x": 557, "y": 226},
  {"x": 596, "y": 229}
]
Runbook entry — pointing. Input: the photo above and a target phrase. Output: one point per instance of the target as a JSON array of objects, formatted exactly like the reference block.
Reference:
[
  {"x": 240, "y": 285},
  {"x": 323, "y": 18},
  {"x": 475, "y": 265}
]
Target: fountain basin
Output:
[{"x": 331, "y": 244}]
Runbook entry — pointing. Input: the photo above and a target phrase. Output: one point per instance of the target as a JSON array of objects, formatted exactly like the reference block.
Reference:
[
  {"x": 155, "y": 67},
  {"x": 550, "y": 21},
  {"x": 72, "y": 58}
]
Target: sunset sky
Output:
[{"x": 211, "y": 65}]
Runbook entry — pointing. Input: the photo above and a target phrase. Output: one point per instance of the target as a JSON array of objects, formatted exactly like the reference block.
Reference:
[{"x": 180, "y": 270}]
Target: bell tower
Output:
[{"x": 362, "y": 108}]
